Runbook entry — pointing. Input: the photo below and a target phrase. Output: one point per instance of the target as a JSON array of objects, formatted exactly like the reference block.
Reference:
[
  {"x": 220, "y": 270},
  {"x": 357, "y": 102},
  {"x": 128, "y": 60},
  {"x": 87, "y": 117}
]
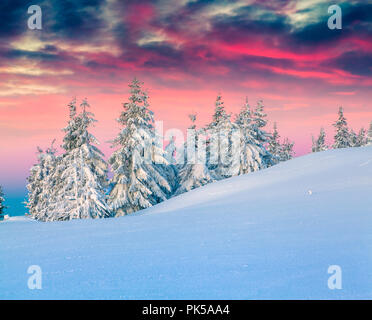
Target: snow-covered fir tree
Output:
[
  {"x": 319, "y": 144},
  {"x": 71, "y": 186},
  {"x": 219, "y": 113},
  {"x": 42, "y": 184},
  {"x": 193, "y": 173},
  {"x": 84, "y": 175},
  {"x": 260, "y": 123},
  {"x": 170, "y": 151},
  {"x": 342, "y": 136},
  {"x": 361, "y": 139},
  {"x": 286, "y": 150},
  {"x": 273, "y": 144},
  {"x": 353, "y": 138},
  {"x": 223, "y": 154},
  {"x": 138, "y": 164},
  {"x": 279, "y": 151},
  {"x": 171, "y": 169},
  {"x": 34, "y": 182},
  {"x": 2, "y": 206},
  {"x": 253, "y": 155},
  {"x": 369, "y": 135}
]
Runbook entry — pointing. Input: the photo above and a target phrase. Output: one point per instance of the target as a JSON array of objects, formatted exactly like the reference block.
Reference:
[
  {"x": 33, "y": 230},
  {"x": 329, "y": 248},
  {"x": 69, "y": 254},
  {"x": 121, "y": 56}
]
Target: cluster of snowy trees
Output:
[
  {"x": 226, "y": 147},
  {"x": 75, "y": 184},
  {"x": 282, "y": 151},
  {"x": 344, "y": 136},
  {"x": 2, "y": 206}
]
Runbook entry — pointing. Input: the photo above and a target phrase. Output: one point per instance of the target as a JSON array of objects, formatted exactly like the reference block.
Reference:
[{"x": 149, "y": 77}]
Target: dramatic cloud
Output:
[{"x": 186, "y": 51}]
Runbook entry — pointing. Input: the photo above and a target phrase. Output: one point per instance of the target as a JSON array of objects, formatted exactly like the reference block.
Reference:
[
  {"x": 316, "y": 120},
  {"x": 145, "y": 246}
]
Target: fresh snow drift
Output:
[{"x": 260, "y": 235}]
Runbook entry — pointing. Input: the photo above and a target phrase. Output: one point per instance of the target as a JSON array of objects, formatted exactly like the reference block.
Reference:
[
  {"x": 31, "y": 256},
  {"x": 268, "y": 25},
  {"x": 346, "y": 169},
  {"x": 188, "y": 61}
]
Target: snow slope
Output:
[{"x": 261, "y": 235}]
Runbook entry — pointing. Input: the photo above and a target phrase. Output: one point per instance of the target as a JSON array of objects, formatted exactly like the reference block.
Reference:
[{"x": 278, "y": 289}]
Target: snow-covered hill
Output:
[{"x": 270, "y": 234}]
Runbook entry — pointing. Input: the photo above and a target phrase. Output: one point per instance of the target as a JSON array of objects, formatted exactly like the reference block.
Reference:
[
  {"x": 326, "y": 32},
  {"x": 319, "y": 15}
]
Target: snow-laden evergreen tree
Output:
[
  {"x": 75, "y": 188},
  {"x": 353, "y": 138},
  {"x": 139, "y": 180},
  {"x": 286, "y": 150},
  {"x": 34, "y": 182},
  {"x": 253, "y": 155},
  {"x": 219, "y": 113},
  {"x": 319, "y": 144},
  {"x": 279, "y": 151},
  {"x": 369, "y": 135},
  {"x": 273, "y": 144},
  {"x": 212, "y": 134},
  {"x": 260, "y": 123},
  {"x": 171, "y": 169},
  {"x": 361, "y": 139},
  {"x": 193, "y": 173},
  {"x": 170, "y": 151},
  {"x": 342, "y": 137},
  {"x": 2, "y": 206},
  {"x": 223, "y": 147},
  {"x": 85, "y": 170},
  {"x": 42, "y": 183}
]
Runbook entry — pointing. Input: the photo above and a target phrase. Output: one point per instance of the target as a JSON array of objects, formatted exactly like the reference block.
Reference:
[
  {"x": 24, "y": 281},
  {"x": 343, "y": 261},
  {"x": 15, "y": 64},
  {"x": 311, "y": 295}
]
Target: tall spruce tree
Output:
[
  {"x": 253, "y": 155},
  {"x": 353, "y": 137},
  {"x": 42, "y": 184},
  {"x": 171, "y": 169},
  {"x": 223, "y": 154},
  {"x": 219, "y": 113},
  {"x": 84, "y": 176},
  {"x": 361, "y": 139},
  {"x": 260, "y": 123},
  {"x": 138, "y": 164},
  {"x": 342, "y": 136},
  {"x": 71, "y": 186},
  {"x": 319, "y": 143},
  {"x": 170, "y": 151},
  {"x": 193, "y": 173},
  {"x": 273, "y": 144},
  {"x": 34, "y": 182}
]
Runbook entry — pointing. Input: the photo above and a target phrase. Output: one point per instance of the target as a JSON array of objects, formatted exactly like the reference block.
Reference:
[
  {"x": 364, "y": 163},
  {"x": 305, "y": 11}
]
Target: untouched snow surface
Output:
[{"x": 270, "y": 234}]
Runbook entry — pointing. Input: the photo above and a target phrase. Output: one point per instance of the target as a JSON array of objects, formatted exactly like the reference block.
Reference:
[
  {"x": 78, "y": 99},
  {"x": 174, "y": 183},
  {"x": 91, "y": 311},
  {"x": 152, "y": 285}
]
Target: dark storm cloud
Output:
[
  {"x": 272, "y": 4},
  {"x": 196, "y": 6},
  {"x": 355, "y": 62},
  {"x": 249, "y": 21},
  {"x": 359, "y": 12},
  {"x": 50, "y": 48},
  {"x": 60, "y": 18},
  {"x": 164, "y": 50},
  {"x": 74, "y": 19},
  {"x": 32, "y": 55},
  {"x": 316, "y": 34},
  {"x": 13, "y": 18},
  {"x": 356, "y": 19}
]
